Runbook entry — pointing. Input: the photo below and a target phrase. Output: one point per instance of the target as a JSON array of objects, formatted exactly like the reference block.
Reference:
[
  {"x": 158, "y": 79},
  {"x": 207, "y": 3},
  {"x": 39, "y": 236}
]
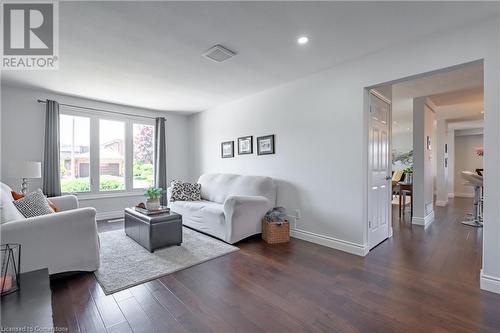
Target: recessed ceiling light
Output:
[{"x": 302, "y": 40}]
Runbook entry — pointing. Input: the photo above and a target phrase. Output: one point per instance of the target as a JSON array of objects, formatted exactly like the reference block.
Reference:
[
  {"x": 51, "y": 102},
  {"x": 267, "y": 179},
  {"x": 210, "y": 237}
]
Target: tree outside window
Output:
[{"x": 143, "y": 155}]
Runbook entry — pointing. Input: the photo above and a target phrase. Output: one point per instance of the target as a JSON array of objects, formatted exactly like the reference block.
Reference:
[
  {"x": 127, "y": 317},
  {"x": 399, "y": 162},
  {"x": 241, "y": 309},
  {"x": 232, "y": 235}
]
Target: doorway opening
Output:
[{"x": 435, "y": 154}]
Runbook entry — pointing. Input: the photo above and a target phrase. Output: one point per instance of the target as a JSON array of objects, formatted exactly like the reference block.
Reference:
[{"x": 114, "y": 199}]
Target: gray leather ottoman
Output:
[{"x": 153, "y": 231}]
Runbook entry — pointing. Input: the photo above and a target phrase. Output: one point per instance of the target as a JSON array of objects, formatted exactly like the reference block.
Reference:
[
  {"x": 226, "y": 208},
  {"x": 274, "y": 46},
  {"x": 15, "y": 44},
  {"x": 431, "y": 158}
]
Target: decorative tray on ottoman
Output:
[{"x": 161, "y": 210}]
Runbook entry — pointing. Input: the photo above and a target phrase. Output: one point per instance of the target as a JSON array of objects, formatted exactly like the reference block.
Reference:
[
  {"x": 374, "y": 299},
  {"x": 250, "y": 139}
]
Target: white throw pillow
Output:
[
  {"x": 34, "y": 204},
  {"x": 8, "y": 212}
]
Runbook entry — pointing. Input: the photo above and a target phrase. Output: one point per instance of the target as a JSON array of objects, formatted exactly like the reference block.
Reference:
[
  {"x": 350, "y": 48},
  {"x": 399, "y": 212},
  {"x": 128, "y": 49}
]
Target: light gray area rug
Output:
[{"x": 124, "y": 263}]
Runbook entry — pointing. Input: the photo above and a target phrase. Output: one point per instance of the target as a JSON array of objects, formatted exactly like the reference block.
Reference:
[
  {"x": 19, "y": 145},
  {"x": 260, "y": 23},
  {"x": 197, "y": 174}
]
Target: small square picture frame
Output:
[
  {"x": 265, "y": 145},
  {"x": 227, "y": 149},
  {"x": 245, "y": 145}
]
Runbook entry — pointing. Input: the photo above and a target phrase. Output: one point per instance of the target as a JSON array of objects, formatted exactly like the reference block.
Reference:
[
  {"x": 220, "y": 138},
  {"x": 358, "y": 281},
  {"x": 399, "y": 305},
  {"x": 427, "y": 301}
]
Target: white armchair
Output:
[{"x": 64, "y": 241}]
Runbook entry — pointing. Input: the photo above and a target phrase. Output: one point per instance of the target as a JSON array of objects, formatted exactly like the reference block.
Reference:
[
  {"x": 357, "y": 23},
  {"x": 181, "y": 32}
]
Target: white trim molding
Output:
[
  {"x": 464, "y": 195},
  {"x": 423, "y": 221},
  {"x": 490, "y": 283},
  {"x": 109, "y": 215},
  {"x": 441, "y": 203},
  {"x": 334, "y": 243},
  {"x": 109, "y": 195}
]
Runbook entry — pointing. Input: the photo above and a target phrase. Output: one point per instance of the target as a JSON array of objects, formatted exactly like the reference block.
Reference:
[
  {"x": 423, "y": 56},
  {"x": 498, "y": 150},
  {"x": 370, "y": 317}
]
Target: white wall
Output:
[
  {"x": 22, "y": 135},
  {"x": 320, "y": 128},
  {"x": 402, "y": 142},
  {"x": 466, "y": 159},
  {"x": 423, "y": 162},
  {"x": 450, "y": 184},
  {"x": 441, "y": 168}
]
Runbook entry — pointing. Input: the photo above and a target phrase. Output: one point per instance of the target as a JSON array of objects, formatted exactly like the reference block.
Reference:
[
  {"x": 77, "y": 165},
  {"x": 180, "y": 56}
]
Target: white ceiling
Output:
[
  {"x": 148, "y": 54},
  {"x": 464, "y": 125},
  {"x": 471, "y": 95},
  {"x": 457, "y": 94}
]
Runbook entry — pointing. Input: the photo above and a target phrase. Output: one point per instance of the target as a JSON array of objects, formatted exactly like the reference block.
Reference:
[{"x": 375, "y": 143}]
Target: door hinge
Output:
[{"x": 369, "y": 224}]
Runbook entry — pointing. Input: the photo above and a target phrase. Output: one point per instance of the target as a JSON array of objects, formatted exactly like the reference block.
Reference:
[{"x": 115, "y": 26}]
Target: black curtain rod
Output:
[{"x": 99, "y": 110}]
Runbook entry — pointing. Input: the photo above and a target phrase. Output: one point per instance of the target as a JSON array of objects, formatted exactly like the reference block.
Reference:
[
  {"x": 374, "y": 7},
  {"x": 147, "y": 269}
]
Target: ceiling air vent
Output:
[{"x": 219, "y": 53}]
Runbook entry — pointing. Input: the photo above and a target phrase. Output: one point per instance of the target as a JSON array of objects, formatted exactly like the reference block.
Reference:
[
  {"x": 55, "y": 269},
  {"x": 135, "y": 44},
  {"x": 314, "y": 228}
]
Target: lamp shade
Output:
[{"x": 25, "y": 169}]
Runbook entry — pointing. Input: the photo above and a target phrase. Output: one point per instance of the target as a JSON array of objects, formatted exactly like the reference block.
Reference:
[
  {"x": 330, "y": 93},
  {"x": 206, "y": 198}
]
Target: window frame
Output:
[
  {"x": 75, "y": 114},
  {"x": 152, "y": 123},
  {"x": 94, "y": 164},
  {"x": 98, "y": 170}
]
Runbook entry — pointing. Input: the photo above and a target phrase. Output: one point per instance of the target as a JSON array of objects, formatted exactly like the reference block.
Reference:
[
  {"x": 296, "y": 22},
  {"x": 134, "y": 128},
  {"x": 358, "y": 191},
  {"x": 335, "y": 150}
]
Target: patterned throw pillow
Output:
[
  {"x": 185, "y": 191},
  {"x": 33, "y": 204},
  {"x": 19, "y": 195}
]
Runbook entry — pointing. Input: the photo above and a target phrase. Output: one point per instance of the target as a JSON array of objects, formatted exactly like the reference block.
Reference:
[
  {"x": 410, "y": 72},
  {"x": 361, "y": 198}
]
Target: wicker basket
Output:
[{"x": 275, "y": 232}]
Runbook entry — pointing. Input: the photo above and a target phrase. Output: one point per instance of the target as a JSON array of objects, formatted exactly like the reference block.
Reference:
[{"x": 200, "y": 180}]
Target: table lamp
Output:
[{"x": 25, "y": 170}]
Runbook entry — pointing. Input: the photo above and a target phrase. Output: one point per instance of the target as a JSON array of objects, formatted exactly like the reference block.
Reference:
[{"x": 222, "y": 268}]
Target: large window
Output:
[
  {"x": 143, "y": 155},
  {"x": 100, "y": 154},
  {"x": 74, "y": 155},
  {"x": 111, "y": 155}
]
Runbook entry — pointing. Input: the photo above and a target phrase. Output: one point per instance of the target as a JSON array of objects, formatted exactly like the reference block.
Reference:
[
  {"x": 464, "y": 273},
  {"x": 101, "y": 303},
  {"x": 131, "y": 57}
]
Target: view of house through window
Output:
[
  {"x": 75, "y": 153},
  {"x": 106, "y": 162},
  {"x": 111, "y": 155},
  {"x": 143, "y": 155}
]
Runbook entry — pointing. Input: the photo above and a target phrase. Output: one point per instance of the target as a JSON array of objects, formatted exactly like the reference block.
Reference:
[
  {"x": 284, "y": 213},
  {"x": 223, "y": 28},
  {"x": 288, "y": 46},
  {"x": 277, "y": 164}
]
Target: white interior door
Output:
[{"x": 379, "y": 177}]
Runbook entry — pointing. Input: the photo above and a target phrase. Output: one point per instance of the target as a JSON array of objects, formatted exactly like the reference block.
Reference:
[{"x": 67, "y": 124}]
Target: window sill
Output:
[{"x": 94, "y": 196}]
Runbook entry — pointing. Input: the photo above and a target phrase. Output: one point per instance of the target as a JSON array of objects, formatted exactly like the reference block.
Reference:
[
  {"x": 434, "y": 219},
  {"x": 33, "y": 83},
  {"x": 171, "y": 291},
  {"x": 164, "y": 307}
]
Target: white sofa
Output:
[
  {"x": 231, "y": 208},
  {"x": 63, "y": 242}
]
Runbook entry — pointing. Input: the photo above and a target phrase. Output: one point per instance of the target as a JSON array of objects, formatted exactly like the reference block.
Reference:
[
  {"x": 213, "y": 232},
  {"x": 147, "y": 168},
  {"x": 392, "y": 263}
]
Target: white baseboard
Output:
[
  {"x": 464, "y": 195},
  {"x": 338, "y": 244},
  {"x": 490, "y": 283},
  {"x": 109, "y": 215},
  {"x": 423, "y": 221},
  {"x": 441, "y": 203},
  {"x": 451, "y": 195}
]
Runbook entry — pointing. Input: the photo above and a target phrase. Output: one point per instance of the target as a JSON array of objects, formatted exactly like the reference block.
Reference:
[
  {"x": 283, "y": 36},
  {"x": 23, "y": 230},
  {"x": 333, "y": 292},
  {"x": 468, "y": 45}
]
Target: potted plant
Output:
[
  {"x": 408, "y": 174},
  {"x": 153, "y": 195}
]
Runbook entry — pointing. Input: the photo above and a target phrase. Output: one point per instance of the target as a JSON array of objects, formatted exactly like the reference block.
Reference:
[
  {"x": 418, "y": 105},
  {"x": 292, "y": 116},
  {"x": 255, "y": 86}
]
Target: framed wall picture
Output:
[
  {"x": 227, "y": 149},
  {"x": 245, "y": 145},
  {"x": 265, "y": 145}
]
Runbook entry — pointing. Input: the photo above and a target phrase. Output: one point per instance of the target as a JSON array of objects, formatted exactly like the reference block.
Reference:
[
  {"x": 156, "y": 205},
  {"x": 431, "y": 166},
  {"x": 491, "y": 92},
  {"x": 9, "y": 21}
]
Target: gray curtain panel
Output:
[
  {"x": 160, "y": 157},
  {"x": 51, "y": 177}
]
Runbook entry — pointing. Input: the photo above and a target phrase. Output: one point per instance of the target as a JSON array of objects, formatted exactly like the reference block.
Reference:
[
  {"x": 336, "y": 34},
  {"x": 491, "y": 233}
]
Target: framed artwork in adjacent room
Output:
[
  {"x": 227, "y": 149},
  {"x": 265, "y": 145},
  {"x": 245, "y": 145}
]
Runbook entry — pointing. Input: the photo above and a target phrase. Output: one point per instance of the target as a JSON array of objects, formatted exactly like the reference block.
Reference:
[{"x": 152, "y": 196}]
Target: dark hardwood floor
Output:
[{"x": 417, "y": 281}]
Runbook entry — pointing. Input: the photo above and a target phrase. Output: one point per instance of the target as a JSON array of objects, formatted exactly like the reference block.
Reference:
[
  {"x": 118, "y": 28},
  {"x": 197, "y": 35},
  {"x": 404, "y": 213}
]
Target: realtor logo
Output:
[{"x": 30, "y": 33}]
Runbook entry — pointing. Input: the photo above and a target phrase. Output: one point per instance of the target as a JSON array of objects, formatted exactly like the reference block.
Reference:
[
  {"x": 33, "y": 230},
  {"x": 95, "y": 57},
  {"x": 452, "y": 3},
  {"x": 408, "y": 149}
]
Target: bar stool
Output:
[{"x": 476, "y": 218}]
